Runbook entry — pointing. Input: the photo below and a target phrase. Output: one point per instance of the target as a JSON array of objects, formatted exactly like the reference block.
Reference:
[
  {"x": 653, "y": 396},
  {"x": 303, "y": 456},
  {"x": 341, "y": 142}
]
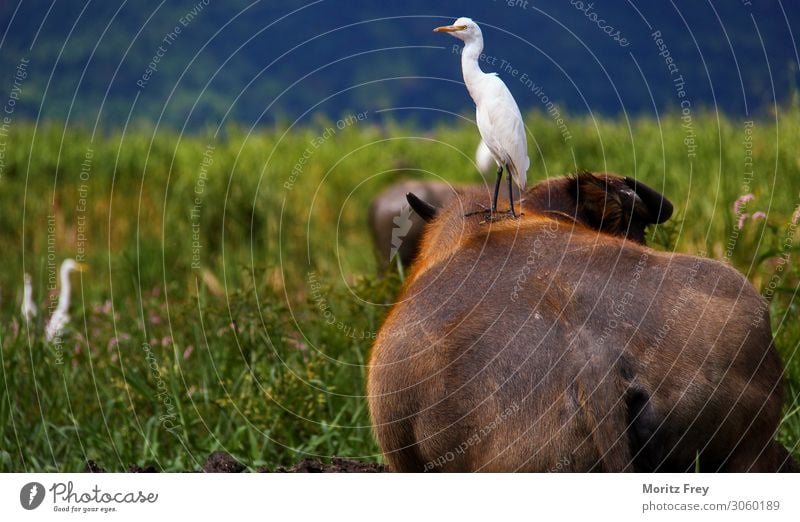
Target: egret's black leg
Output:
[
  {"x": 511, "y": 196},
  {"x": 497, "y": 188}
]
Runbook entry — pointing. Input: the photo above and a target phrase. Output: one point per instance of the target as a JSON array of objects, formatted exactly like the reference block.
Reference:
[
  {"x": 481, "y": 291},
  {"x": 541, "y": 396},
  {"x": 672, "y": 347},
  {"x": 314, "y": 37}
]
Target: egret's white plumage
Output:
[
  {"x": 60, "y": 317},
  {"x": 497, "y": 114},
  {"x": 484, "y": 159},
  {"x": 28, "y": 308}
]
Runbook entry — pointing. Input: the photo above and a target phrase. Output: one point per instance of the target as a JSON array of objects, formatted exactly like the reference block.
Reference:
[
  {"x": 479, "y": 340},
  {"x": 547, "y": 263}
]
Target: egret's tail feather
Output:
[{"x": 520, "y": 178}]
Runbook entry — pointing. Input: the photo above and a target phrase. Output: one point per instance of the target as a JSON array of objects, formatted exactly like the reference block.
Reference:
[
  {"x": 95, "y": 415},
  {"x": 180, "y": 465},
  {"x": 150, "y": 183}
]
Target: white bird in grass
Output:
[
  {"x": 499, "y": 120},
  {"x": 28, "y": 308},
  {"x": 60, "y": 317}
]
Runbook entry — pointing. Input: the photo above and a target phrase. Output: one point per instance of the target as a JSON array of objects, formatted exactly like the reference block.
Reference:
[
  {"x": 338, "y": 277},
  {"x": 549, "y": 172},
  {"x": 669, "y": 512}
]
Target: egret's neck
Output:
[
  {"x": 470, "y": 67},
  {"x": 63, "y": 297},
  {"x": 27, "y": 291}
]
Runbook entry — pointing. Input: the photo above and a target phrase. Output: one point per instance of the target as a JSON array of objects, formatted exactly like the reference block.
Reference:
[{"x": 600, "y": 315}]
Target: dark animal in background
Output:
[
  {"x": 395, "y": 228},
  {"x": 614, "y": 204},
  {"x": 587, "y": 352}
]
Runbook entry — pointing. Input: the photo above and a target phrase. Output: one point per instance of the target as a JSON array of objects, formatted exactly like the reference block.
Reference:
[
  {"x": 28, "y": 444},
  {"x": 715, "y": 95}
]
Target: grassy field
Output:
[{"x": 232, "y": 295}]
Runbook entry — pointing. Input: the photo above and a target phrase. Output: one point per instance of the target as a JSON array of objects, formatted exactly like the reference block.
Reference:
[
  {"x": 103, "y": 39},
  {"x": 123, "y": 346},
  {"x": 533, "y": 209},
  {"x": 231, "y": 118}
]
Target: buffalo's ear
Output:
[
  {"x": 423, "y": 209},
  {"x": 655, "y": 207},
  {"x": 600, "y": 205},
  {"x": 619, "y": 206}
]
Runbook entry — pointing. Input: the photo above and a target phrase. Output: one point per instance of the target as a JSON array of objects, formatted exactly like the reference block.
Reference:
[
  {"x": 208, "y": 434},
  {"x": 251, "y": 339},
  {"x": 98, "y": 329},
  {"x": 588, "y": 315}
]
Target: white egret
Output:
[
  {"x": 28, "y": 308},
  {"x": 497, "y": 114},
  {"x": 60, "y": 317},
  {"x": 484, "y": 159}
]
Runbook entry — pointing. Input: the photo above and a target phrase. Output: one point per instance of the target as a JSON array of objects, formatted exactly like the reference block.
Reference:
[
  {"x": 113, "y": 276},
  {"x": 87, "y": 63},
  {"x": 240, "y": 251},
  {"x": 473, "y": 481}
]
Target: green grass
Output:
[{"x": 258, "y": 349}]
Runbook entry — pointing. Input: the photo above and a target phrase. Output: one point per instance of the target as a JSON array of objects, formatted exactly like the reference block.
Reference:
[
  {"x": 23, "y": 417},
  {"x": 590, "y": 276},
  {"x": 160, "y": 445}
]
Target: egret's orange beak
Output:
[
  {"x": 81, "y": 267},
  {"x": 449, "y": 28}
]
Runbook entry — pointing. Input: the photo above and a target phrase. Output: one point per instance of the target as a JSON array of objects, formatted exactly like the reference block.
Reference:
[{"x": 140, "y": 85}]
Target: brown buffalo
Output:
[
  {"x": 607, "y": 202},
  {"x": 617, "y": 205},
  {"x": 541, "y": 344}
]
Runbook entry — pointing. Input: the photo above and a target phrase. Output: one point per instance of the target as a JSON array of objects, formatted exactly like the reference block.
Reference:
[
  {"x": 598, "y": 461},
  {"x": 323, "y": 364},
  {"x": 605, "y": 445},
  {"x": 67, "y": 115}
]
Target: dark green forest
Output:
[{"x": 257, "y": 63}]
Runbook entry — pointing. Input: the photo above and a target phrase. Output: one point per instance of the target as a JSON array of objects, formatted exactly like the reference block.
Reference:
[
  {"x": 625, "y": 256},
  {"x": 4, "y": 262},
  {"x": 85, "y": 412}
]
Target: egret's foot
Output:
[
  {"x": 483, "y": 210},
  {"x": 500, "y": 216},
  {"x": 497, "y": 216}
]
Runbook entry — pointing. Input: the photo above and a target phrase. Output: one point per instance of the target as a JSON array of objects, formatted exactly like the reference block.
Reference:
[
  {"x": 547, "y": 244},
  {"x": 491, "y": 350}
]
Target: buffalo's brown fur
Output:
[{"x": 539, "y": 344}]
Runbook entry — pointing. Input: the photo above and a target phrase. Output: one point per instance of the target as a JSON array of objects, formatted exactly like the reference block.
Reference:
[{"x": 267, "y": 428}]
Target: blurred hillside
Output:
[{"x": 261, "y": 62}]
